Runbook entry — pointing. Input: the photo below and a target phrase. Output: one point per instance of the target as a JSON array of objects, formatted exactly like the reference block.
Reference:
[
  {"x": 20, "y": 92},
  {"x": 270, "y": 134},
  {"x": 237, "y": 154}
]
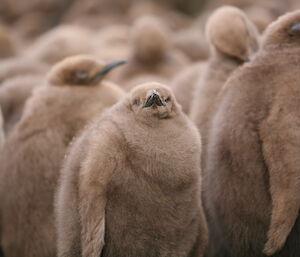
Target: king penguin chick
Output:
[
  {"x": 33, "y": 152},
  {"x": 252, "y": 188},
  {"x": 131, "y": 174},
  {"x": 151, "y": 54},
  {"x": 231, "y": 46},
  {"x": 13, "y": 96}
]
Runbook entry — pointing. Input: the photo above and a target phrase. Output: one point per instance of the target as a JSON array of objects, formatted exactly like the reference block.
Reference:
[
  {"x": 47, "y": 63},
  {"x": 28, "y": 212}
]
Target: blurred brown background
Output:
[
  {"x": 35, "y": 28},
  {"x": 32, "y": 17}
]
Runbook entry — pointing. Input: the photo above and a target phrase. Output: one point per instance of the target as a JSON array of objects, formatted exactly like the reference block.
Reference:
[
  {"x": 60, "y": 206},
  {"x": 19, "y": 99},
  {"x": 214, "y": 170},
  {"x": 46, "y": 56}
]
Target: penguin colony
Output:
[{"x": 152, "y": 134}]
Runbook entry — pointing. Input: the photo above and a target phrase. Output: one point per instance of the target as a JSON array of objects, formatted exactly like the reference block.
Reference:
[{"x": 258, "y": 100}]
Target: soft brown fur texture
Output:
[
  {"x": 282, "y": 156},
  {"x": 252, "y": 185},
  {"x": 34, "y": 151},
  {"x": 183, "y": 85},
  {"x": 131, "y": 183},
  {"x": 151, "y": 53},
  {"x": 13, "y": 96},
  {"x": 231, "y": 46},
  {"x": 242, "y": 41}
]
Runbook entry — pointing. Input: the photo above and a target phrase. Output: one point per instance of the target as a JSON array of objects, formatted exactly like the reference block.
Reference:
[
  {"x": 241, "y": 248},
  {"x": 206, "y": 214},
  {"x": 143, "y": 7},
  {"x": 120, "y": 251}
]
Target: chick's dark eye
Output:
[
  {"x": 168, "y": 99},
  {"x": 137, "y": 102},
  {"x": 81, "y": 74}
]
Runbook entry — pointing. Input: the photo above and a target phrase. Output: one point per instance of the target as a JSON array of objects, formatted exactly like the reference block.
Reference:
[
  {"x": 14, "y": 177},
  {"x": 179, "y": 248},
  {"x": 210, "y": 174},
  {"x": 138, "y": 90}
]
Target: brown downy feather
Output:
[
  {"x": 252, "y": 186},
  {"x": 13, "y": 95},
  {"x": 131, "y": 174},
  {"x": 184, "y": 85},
  {"x": 58, "y": 110},
  {"x": 231, "y": 46}
]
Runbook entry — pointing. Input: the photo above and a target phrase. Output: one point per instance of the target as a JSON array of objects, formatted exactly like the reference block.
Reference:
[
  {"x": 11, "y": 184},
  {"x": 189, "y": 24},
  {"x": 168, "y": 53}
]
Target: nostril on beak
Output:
[
  {"x": 157, "y": 99},
  {"x": 155, "y": 92},
  {"x": 154, "y": 98}
]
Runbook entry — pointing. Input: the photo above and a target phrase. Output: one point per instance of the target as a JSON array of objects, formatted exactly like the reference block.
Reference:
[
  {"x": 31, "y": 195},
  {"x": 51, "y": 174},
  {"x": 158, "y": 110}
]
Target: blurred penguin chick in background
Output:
[
  {"x": 73, "y": 95},
  {"x": 151, "y": 54}
]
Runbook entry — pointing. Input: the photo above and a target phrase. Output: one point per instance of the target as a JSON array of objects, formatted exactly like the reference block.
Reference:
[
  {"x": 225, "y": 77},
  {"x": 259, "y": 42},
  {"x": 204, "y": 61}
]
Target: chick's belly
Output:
[{"x": 136, "y": 227}]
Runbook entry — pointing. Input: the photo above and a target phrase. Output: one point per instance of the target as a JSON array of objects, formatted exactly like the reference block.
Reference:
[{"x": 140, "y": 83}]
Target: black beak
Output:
[
  {"x": 109, "y": 66},
  {"x": 153, "y": 98}
]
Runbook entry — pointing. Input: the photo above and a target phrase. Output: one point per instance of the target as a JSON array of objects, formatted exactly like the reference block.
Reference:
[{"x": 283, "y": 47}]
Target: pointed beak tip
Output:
[
  {"x": 117, "y": 63},
  {"x": 109, "y": 66}
]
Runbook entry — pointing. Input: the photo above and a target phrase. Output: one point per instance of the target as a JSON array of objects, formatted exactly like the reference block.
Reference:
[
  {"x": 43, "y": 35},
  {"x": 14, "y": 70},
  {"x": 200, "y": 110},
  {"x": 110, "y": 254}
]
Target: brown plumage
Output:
[
  {"x": 231, "y": 46},
  {"x": 33, "y": 152},
  {"x": 151, "y": 53},
  {"x": 252, "y": 186},
  {"x": 131, "y": 183},
  {"x": 183, "y": 85},
  {"x": 13, "y": 96}
]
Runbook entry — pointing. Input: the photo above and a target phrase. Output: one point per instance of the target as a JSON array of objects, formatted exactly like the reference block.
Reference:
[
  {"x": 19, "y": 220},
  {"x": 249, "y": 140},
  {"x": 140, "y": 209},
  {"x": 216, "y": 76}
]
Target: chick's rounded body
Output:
[{"x": 149, "y": 197}]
